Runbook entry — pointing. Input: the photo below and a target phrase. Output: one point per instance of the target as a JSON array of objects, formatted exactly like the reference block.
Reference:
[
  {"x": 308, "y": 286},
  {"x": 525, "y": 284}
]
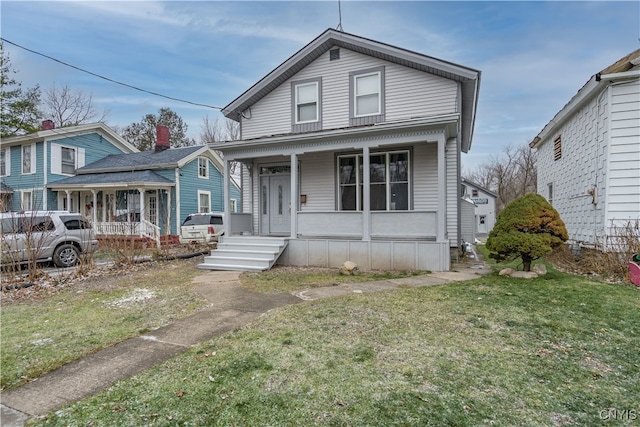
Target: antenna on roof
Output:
[{"x": 339, "y": 27}]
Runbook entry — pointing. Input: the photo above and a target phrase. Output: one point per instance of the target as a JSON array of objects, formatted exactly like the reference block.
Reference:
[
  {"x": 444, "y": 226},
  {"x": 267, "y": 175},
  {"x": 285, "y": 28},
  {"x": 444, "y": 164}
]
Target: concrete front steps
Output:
[{"x": 245, "y": 253}]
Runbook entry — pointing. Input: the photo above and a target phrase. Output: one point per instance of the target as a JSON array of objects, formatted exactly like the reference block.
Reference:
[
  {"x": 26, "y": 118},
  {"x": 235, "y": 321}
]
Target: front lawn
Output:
[{"x": 557, "y": 350}]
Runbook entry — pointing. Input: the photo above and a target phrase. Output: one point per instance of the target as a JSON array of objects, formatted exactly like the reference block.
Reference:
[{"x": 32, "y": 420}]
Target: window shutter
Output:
[
  {"x": 80, "y": 157},
  {"x": 56, "y": 159},
  {"x": 33, "y": 158}
]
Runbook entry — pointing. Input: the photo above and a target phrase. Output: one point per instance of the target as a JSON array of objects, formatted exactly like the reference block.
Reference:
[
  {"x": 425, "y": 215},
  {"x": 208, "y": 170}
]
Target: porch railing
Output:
[{"x": 143, "y": 228}]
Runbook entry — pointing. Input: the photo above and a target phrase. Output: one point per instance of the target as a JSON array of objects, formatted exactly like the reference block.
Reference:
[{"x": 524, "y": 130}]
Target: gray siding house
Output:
[
  {"x": 589, "y": 155},
  {"x": 351, "y": 151}
]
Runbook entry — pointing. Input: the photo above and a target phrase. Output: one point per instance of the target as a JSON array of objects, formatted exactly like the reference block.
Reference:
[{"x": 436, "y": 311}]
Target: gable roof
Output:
[
  {"x": 468, "y": 78},
  {"x": 147, "y": 160},
  {"x": 71, "y": 131},
  {"x": 479, "y": 187},
  {"x": 627, "y": 67}
]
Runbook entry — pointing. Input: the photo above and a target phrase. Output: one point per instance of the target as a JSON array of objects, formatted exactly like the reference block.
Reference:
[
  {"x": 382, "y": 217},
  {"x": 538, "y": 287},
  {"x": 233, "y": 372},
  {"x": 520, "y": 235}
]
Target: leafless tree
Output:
[
  {"x": 510, "y": 174},
  {"x": 214, "y": 131},
  {"x": 69, "y": 107}
]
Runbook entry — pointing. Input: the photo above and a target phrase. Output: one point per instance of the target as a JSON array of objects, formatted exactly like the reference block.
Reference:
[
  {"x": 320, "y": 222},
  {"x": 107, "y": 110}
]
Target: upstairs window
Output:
[
  {"x": 474, "y": 193},
  {"x": 557, "y": 148},
  {"x": 306, "y": 105},
  {"x": 68, "y": 160},
  {"x": 307, "y": 102},
  {"x": 367, "y": 94},
  {"x": 5, "y": 162},
  {"x": 29, "y": 159},
  {"x": 203, "y": 167}
]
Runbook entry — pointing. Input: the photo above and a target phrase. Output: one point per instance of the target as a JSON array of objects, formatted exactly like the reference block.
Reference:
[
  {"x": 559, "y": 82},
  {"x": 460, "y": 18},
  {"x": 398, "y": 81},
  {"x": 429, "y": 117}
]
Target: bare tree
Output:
[
  {"x": 69, "y": 107},
  {"x": 213, "y": 131},
  {"x": 510, "y": 174}
]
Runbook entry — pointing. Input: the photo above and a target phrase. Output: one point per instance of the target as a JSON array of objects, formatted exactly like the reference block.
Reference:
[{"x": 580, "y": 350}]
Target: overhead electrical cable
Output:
[{"x": 108, "y": 79}]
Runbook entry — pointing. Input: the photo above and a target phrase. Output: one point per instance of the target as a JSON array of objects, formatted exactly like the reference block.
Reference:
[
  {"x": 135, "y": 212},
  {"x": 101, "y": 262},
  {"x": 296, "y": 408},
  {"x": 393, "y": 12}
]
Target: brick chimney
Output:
[
  {"x": 162, "y": 138},
  {"x": 48, "y": 125}
]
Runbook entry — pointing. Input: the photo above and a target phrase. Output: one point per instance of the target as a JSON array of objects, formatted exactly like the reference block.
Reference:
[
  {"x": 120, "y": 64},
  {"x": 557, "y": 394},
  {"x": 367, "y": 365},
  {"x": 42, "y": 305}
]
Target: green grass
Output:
[
  {"x": 556, "y": 350},
  {"x": 287, "y": 279},
  {"x": 44, "y": 333}
]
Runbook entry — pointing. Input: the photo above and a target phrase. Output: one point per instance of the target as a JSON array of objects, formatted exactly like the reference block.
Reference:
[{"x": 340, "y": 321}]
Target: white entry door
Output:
[{"x": 276, "y": 204}]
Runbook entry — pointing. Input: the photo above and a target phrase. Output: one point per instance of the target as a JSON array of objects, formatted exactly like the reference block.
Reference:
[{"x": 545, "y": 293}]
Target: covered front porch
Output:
[
  {"x": 317, "y": 194},
  {"x": 120, "y": 209}
]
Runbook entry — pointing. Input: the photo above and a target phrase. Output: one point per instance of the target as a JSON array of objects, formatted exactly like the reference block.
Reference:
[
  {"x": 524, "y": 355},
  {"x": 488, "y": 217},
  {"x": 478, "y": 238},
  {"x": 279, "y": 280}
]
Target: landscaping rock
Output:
[
  {"x": 539, "y": 269},
  {"x": 506, "y": 272},
  {"x": 524, "y": 274},
  {"x": 349, "y": 268}
]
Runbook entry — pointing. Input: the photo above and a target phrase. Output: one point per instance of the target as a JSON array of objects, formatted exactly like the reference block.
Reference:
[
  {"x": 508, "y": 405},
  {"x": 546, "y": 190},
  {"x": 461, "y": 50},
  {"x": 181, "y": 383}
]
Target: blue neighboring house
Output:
[{"x": 92, "y": 170}]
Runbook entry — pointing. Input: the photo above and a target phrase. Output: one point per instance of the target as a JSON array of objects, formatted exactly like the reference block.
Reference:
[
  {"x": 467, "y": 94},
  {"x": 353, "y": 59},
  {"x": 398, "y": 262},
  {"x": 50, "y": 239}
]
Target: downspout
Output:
[{"x": 177, "y": 200}]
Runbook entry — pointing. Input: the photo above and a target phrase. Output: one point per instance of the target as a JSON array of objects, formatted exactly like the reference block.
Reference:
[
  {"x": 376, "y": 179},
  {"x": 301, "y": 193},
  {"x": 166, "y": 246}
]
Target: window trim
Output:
[
  {"x": 75, "y": 160},
  {"x": 233, "y": 205},
  {"x": 360, "y": 178},
  {"x": 32, "y": 159},
  {"x": 7, "y": 161},
  {"x": 306, "y": 125},
  {"x": 206, "y": 167},
  {"x": 26, "y": 195},
  {"x": 363, "y": 119},
  {"x": 200, "y": 193}
]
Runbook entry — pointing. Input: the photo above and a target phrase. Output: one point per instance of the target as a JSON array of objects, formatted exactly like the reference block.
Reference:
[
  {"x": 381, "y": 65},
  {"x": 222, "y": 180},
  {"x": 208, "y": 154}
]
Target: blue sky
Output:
[{"x": 534, "y": 56}]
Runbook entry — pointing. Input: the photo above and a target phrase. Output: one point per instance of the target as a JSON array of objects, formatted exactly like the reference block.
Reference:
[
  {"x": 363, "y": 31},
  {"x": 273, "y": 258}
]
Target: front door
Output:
[{"x": 275, "y": 212}]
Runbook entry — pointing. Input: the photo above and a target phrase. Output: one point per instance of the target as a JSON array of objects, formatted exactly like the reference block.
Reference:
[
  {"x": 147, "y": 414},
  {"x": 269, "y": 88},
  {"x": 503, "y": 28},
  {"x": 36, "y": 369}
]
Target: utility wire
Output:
[{"x": 108, "y": 79}]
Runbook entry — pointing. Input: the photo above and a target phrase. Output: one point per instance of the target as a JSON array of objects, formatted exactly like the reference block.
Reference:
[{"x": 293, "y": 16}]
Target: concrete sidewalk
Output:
[{"x": 231, "y": 306}]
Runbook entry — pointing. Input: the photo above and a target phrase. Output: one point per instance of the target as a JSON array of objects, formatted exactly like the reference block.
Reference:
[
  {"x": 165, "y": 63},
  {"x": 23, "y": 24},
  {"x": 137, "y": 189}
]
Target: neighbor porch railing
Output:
[{"x": 143, "y": 228}]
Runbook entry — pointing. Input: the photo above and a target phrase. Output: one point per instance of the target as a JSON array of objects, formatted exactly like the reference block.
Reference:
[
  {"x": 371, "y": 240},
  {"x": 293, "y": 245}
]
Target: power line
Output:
[{"x": 108, "y": 79}]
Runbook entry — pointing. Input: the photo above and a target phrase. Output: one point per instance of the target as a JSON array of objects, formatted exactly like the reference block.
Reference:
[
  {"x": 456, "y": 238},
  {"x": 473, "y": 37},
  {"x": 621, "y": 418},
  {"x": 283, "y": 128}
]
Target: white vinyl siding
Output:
[
  {"x": 408, "y": 93},
  {"x": 623, "y": 195}
]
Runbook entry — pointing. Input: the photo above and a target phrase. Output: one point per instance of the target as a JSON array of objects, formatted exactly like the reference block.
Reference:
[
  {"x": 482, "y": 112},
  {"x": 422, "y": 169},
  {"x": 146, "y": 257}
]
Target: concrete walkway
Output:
[{"x": 231, "y": 306}]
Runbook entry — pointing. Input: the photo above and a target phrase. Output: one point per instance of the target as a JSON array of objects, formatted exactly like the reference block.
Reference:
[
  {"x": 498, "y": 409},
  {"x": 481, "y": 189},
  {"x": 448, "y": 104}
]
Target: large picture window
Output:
[{"x": 388, "y": 181}]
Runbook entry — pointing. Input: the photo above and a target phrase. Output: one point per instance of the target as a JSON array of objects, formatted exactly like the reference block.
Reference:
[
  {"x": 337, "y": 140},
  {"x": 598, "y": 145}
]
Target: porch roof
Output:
[
  {"x": 387, "y": 133},
  {"x": 4, "y": 188},
  {"x": 144, "y": 178}
]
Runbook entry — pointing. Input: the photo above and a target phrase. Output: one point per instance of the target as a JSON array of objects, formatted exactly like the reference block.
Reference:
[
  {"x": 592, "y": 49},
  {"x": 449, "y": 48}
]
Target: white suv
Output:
[
  {"x": 202, "y": 228},
  {"x": 41, "y": 236}
]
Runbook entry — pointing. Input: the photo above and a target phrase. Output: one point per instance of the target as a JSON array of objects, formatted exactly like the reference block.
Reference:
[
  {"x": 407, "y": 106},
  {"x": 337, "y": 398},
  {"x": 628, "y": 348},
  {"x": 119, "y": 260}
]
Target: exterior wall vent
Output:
[{"x": 334, "y": 54}]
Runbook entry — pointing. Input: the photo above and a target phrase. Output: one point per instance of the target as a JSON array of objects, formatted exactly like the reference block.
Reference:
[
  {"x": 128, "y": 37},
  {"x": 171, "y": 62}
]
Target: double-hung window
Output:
[
  {"x": 29, "y": 159},
  {"x": 68, "y": 160},
  {"x": 388, "y": 181},
  {"x": 306, "y": 105},
  {"x": 367, "y": 98},
  {"x": 5, "y": 162},
  {"x": 203, "y": 167},
  {"x": 204, "y": 201}
]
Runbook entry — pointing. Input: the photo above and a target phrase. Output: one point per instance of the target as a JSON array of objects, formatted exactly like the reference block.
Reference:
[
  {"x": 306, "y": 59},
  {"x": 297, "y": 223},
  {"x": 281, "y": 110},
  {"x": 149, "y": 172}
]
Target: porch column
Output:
[
  {"x": 168, "y": 222},
  {"x": 142, "y": 209},
  {"x": 68, "y": 193},
  {"x": 94, "y": 211},
  {"x": 294, "y": 196},
  {"x": 227, "y": 198},
  {"x": 366, "y": 197},
  {"x": 442, "y": 190}
]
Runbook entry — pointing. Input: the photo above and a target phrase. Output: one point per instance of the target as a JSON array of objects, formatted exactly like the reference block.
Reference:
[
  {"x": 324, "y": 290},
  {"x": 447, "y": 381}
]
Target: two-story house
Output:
[
  {"x": 351, "y": 151},
  {"x": 485, "y": 207},
  {"x": 92, "y": 170},
  {"x": 589, "y": 155}
]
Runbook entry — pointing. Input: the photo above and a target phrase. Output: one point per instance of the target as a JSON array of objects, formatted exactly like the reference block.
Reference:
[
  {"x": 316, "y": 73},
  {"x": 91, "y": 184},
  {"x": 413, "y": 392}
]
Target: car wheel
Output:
[{"x": 66, "y": 256}]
